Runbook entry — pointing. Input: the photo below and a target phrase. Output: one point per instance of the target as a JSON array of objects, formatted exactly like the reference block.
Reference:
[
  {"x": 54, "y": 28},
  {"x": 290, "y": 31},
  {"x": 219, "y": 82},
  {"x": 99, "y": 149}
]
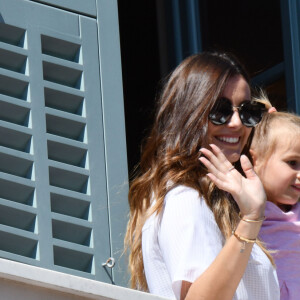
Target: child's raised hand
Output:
[{"x": 247, "y": 191}]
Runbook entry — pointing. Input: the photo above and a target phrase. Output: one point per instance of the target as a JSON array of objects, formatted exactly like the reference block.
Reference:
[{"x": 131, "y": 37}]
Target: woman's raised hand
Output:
[{"x": 247, "y": 191}]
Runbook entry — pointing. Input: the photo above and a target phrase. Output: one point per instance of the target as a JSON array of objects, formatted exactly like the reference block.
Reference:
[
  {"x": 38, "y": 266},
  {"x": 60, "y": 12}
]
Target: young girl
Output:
[{"x": 276, "y": 155}]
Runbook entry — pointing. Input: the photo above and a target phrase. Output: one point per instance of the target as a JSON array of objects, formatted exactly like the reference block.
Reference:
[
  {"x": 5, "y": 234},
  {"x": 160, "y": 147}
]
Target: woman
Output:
[{"x": 181, "y": 221}]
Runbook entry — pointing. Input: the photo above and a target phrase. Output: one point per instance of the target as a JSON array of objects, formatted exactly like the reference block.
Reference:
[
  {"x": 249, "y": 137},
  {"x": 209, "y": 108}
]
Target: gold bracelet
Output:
[
  {"x": 244, "y": 241},
  {"x": 251, "y": 221}
]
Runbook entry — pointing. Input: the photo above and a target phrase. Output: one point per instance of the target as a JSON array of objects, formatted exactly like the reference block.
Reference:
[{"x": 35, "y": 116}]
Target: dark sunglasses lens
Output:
[
  {"x": 221, "y": 112},
  {"x": 251, "y": 113}
]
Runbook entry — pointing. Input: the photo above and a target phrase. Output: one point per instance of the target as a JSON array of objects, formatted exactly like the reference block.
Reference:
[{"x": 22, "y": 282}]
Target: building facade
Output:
[{"x": 67, "y": 132}]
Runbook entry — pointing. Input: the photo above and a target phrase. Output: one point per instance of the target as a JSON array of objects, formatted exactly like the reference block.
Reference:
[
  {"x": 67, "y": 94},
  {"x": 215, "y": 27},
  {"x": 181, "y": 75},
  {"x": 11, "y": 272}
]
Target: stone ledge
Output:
[{"x": 26, "y": 282}]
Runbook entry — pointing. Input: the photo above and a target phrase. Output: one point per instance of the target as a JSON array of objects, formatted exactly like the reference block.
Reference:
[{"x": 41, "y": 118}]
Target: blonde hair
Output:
[
  {"x": 266, "y": 137},
  {"x": 170, "y": 156}
]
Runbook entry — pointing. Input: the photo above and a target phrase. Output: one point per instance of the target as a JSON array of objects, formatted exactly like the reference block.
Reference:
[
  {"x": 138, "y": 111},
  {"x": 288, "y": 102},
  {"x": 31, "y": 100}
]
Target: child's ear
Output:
[
  {"x": 257, "y": 161},
  {"x": 254, "y": 156}
]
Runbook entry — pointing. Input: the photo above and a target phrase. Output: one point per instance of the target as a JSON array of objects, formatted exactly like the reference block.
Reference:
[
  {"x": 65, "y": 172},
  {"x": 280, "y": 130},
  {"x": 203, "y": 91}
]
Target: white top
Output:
[{"x": 183, "y": 241}]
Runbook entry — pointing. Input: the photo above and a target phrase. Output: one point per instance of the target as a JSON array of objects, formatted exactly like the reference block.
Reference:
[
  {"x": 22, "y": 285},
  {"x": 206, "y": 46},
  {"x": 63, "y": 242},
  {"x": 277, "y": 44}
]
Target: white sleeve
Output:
[{"x": 189, "y": 237}]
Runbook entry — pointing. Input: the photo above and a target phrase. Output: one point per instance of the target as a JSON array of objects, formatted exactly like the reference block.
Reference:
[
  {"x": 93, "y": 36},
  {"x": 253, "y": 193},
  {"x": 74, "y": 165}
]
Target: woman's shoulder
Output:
[
  {"x": 180, "y": 191},
  {"x": 185, "y": 199},
  {"x": 180, "y": 202}
]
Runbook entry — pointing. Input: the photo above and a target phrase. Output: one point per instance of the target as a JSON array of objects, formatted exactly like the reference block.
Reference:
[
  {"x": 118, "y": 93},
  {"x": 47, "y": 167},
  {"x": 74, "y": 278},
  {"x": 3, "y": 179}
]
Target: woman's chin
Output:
[{"x": 232, "y": 156}]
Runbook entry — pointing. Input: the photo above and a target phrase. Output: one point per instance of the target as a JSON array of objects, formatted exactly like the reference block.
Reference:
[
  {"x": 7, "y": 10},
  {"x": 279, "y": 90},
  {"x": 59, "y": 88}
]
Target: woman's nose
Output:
[{"x": 235, "y": 120}]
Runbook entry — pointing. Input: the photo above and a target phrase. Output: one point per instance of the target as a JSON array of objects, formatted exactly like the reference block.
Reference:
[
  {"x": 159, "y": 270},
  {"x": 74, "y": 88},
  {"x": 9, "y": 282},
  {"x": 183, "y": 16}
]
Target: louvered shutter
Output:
[{"x": 53, "y": 183}]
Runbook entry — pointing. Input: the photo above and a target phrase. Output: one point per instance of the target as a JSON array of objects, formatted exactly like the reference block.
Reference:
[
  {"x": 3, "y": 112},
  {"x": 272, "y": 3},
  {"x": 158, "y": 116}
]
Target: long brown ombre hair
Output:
[{"x": 170, "y": 155}]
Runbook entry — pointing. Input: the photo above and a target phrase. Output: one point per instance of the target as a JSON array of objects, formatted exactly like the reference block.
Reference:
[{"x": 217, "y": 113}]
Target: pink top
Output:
[{"x": 281, "y": 231}]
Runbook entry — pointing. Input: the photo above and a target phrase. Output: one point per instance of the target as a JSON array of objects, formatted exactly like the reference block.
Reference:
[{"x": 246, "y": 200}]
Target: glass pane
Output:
[
  {"x": 277, "y": 94},
  {"x": 252, "y": 31}
]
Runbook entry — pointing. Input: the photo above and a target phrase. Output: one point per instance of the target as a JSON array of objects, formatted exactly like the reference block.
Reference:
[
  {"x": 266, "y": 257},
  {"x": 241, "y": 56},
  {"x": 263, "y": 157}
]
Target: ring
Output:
[{"x": 230, "y": 169}]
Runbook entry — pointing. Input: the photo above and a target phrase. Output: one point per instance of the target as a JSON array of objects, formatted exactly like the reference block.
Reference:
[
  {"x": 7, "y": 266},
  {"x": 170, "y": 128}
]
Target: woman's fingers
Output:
[
  {"x": 219, "y": 168},
  {"x": 247, "y": 167},
  {"x": 218, "y": 182},
  {"x": 217, "y": 159},
  {"x": 215, "y": 175},
  {"x": 223, "y": 173},
  {"x": 206, "y": 160}
]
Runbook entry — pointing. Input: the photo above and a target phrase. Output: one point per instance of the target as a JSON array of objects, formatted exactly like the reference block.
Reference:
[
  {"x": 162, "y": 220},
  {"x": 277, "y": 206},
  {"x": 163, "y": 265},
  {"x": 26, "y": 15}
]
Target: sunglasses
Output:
[{"x": 250, "y": 112}]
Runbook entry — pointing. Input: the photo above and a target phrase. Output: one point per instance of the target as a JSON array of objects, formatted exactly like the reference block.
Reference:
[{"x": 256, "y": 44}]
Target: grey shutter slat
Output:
[
  {"x": 54, "y": 170},
  {"x": 85, "y": 7}
]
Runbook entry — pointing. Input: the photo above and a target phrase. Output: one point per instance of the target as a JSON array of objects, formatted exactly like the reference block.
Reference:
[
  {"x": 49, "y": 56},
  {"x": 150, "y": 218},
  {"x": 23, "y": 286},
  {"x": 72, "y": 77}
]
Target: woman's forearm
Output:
[{"x": 221, "y": 279}]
